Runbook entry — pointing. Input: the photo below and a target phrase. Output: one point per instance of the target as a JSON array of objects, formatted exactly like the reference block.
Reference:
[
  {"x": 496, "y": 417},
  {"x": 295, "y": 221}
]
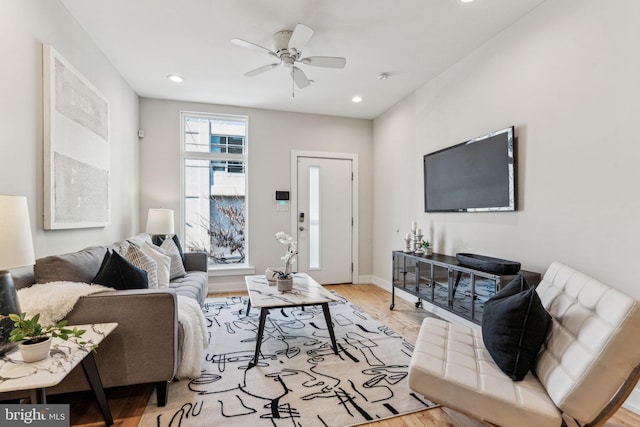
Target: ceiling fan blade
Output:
[
  {"x": 261, "y": 70},
  {"x": 300, "y": 78},
  {"x": 325, "y": 61},
  {"x": 249, "y": 45},
  {"x": 300, "y": 37}
]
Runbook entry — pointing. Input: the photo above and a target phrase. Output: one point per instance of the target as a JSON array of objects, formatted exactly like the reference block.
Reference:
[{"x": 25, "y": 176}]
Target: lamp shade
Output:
[
  {"x": 16, "y": 245},
  {"x": 160, "y": 221}
]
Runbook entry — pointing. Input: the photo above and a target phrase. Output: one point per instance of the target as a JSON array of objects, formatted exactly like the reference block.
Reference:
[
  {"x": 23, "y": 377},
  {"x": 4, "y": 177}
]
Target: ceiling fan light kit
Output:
[{"x": 287, "y": 47}]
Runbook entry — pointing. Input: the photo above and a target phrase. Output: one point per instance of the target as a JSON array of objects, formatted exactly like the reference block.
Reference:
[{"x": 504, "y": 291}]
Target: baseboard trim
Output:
[
  {"x": 365, "y": 279},
  {"x": 633, "y": 401},
  {"x": 219, "y": 287}
]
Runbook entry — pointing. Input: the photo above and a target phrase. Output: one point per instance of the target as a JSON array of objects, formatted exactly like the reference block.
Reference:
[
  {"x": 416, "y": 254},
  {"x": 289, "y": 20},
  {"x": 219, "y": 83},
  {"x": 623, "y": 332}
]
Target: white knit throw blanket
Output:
[
  {"x": 56, "y": 299},
  {"x": 196, "y": 337}
]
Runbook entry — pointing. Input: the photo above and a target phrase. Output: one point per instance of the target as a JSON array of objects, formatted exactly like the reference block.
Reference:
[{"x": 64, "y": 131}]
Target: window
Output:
[{"x": 215, "y": 186}]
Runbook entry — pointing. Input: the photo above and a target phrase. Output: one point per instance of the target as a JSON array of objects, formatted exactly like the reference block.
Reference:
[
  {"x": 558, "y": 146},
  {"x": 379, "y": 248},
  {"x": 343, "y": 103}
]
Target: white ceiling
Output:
[{"x": 411, "y": 40}]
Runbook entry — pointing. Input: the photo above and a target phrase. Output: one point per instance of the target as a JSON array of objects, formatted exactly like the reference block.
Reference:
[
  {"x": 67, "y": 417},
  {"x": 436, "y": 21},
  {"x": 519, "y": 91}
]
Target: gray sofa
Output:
[{"x": 145, "y": 347}]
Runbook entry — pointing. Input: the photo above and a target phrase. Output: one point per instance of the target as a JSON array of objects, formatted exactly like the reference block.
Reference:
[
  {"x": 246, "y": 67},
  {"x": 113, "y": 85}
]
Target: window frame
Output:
[{"x": 216, "y": 269}]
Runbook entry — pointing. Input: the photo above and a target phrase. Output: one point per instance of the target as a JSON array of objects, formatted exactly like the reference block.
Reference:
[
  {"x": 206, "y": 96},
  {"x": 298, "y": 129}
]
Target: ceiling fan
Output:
[{"x": 287, "y": 49}]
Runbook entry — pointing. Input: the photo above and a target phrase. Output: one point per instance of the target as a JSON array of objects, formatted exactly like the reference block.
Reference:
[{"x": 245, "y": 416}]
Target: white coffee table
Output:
[
  {"x": 306, "y": 291},
  {"x": 16, "y": 374}
]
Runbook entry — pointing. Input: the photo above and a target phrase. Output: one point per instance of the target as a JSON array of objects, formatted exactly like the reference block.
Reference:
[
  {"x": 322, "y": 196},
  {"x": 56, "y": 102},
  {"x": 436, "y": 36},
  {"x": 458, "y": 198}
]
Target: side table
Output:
[{"x": 15, "y": 374}]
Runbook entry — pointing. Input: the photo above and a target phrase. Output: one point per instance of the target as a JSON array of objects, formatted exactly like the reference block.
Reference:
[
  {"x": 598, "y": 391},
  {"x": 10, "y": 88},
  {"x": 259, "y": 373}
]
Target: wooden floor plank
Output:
[{"x": 128, "y": 403}]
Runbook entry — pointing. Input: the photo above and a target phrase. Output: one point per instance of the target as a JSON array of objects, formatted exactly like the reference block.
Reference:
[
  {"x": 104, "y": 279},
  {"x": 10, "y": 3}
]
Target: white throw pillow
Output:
[
  {"x": 163, "y": 262},
  {"x": 177, "y": 267},
  {"x": 141, "y": 260}
]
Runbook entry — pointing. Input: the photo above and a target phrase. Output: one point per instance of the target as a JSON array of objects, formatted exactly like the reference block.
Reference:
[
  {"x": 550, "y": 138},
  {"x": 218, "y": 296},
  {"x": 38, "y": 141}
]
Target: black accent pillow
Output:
[
  {"x": 157, "y": 239},
  {"x": 116, "y": 272},
  {"x": 514, "y": 327}
]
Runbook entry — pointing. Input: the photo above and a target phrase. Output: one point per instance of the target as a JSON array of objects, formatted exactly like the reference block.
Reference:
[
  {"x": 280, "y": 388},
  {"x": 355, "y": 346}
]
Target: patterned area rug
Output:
[{"x": 299, "y": 381}]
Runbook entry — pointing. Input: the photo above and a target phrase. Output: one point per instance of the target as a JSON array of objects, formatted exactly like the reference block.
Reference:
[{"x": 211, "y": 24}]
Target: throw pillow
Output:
[
  {"x": 179, "y": 246},
  {"x": 137, "y": 257},
  {"x": 158, "y": 240},
  {"x": 140, "y": 239},
  {"x": 81, "y": 266},
  {"x": 514, "y": 327},
  {"x": 163, "y": 262},
  {"x": 116, "y": 272},
  {"x": 177, "y": 267}
]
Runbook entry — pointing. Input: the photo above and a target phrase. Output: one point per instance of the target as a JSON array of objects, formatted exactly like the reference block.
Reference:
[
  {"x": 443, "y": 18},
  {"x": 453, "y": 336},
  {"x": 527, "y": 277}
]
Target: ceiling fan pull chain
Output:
[{"x": 293, "y": 87}]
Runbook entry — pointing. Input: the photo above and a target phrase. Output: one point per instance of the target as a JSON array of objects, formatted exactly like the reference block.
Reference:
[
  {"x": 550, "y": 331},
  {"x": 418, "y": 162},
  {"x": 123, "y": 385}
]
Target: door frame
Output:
[{"x": 295, "y": 155}]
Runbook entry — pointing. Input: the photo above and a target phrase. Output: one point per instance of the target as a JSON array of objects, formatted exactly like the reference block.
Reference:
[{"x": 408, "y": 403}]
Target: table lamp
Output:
[
  {"x": 16, "y": 250},
  {"x": 160, "y": 224}
]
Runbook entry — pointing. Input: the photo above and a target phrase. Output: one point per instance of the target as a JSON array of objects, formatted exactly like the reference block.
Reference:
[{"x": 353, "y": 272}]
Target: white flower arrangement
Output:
[{"x": 289, "y": 256}]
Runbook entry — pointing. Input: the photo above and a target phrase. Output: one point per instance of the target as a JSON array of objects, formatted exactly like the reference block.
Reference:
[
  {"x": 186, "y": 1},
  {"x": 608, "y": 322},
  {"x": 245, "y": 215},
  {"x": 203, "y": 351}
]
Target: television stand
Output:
[{"x": 442, "y": 281}]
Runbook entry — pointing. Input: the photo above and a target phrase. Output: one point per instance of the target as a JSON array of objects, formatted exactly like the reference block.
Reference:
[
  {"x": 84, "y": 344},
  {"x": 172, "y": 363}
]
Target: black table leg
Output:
[
  {"x": 39, "y": 396},
  {"x": 91, "y": 372},
  {"x": 327, "y": 318},
  {"x": 263, "y": 317},
  {"x": 393, "y": 297},
  {"x": 248, "y": 307}
]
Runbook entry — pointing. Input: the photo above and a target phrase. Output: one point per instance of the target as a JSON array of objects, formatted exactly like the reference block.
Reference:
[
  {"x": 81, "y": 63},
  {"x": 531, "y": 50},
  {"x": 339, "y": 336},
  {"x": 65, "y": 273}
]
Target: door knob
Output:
[{"x": 301, "y": 228}]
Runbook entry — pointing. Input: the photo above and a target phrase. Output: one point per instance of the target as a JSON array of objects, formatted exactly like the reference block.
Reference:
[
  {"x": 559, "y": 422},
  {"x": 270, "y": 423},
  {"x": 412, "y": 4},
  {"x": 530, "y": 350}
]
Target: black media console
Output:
[{"x": 443, "y": 281}]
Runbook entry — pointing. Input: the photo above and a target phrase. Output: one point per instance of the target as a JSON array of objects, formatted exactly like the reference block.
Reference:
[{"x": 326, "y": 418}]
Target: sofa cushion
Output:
[
  {"x": 514, "y": 327},
  {"x": 451, "y": 366},
  {"x": 194, "y": 284},
  {"x": 81, "y": 266},
  {"x": 593, "y": 342},
  {"x": 118, "y": 273}
]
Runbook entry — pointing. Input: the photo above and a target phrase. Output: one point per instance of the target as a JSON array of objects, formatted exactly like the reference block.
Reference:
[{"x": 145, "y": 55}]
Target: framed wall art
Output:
[{"x": 76, "y": 147}]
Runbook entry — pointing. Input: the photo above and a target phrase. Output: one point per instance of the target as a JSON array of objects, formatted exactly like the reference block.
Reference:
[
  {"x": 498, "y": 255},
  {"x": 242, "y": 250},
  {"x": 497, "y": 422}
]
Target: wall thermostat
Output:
[
  {"x": 282, "y": 201},
  {"x": 282, "y": 195}
]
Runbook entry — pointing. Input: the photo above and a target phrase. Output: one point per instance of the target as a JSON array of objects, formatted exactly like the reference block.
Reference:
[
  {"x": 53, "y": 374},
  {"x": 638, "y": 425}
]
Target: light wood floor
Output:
[{"x": 128, "y": 403}]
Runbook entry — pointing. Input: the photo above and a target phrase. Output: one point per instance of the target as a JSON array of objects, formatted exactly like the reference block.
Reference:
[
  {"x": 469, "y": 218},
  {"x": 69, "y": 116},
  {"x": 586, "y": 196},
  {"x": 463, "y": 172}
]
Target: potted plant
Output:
[
  {"x": 34, "y": 339},
  {"x": 428, "y": 250},
  {"x": 285, "y": 278}
]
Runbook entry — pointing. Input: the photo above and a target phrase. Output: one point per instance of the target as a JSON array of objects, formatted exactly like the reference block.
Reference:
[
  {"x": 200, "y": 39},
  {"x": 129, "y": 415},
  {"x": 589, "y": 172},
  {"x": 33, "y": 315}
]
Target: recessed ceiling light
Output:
[
  {"x": 466, "y": 1},
  {"x": 175, "y": 78},
  {"x": 356, "y": 99}
]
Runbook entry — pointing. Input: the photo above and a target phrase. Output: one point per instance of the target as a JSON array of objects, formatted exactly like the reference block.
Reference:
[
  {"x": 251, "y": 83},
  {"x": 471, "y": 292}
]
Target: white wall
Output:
[
  {"x": 24, "y": 26},
  {"x": 567, "y": 76},
  {"x": 272, "y": 136}
]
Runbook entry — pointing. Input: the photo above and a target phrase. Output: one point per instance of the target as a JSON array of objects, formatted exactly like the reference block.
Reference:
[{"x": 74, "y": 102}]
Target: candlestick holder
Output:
[
  {"x": 418, "y": 243},
  {"x": 407, "y": 247}
]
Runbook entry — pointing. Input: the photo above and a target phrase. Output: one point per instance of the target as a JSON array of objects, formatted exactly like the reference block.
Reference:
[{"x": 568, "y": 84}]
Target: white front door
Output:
[{"x": 324, "y": 222}]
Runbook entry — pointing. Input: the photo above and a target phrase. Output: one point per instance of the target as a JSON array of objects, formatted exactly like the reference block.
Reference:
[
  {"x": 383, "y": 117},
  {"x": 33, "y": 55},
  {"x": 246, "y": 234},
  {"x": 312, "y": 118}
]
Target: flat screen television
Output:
[{"x": 478, "y": 175}]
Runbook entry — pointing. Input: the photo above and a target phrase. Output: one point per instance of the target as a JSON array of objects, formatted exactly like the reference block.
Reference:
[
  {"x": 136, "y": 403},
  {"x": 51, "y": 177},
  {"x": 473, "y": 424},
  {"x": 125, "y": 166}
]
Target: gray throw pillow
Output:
[
  {"x": 177, "y": 266},
  {"x": 81, "y": 266}
]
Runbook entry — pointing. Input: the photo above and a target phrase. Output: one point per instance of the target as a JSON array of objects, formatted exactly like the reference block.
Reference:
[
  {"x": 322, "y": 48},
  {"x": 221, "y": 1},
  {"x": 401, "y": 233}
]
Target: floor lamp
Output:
[
  {"x": 160, "y": 224},
  {"x": 16, "y": 250}
]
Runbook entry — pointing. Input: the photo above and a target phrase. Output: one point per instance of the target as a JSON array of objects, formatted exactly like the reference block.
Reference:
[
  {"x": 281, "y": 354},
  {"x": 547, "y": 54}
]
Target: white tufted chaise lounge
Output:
[{"x": 586, "y": 368}]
